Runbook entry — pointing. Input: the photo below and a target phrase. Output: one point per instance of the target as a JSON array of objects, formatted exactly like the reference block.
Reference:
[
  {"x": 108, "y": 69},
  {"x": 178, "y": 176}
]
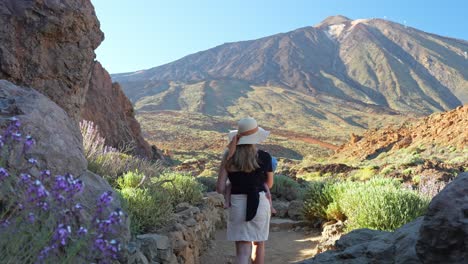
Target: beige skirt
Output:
[{"x": 255, "y": 230}]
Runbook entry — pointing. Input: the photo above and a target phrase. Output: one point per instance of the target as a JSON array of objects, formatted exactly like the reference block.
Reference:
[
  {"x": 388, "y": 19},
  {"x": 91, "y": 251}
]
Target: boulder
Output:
[
  {"x": 49, "y": 45},
  {"x": 444, "y": 231},
  {"x": 107, "y": 107},
  {"x": 281, "y": 208},
  {"x": 371, "y": 246},
  {"x": 295, "y": 210}
]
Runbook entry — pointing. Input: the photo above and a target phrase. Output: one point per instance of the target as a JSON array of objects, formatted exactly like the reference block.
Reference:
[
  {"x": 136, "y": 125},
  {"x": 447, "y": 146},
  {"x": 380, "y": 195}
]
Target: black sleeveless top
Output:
[{"x": 251, "y": 183}]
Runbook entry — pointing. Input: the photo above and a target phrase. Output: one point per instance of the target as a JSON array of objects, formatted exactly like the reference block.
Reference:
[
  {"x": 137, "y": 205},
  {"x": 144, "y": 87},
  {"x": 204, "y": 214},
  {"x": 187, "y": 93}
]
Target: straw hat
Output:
[{"x": 248, "y": 132}]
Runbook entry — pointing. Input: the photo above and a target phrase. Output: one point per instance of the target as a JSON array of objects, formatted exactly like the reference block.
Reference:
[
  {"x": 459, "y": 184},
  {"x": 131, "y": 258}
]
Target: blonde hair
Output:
[{"x": 244, "y": 159}]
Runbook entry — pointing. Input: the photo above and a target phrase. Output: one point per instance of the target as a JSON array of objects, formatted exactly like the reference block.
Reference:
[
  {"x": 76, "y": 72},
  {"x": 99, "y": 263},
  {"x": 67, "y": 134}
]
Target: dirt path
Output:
[
  {"x": 282, "y": 247},
  {"x": 304, "y": 138}
]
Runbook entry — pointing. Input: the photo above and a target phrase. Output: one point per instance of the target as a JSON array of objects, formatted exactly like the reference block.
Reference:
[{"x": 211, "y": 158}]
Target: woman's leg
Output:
[
  {"x": 258, "y": 252},
  {"x": 243, "y": 252}
]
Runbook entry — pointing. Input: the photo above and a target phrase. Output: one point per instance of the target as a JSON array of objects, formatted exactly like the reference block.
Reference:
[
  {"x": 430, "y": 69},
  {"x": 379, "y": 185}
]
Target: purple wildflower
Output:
[
  {"x": 45, "y": 252},
  {"x": 82, "y": 231},
  {"x": 116, "y": 216},
  {"x": 43, "y": 205},
  {"x": 3, "y": 173},
  {"x": 32, "y": 161},
  {"x": 45, "y": 173},
  {"x": 62, "y": 234},
  {"x": 105, "y": 199},
  {"x": 5, "y": 223},
  {"x": 25, "y": 178},
  {"x": 31, "y": 217},
  {"x": 100, "y": 244},
  {"x": 78, "y": 206},
  {"x": 28, "y": 143},
  {"x": 17, "y": 136}
]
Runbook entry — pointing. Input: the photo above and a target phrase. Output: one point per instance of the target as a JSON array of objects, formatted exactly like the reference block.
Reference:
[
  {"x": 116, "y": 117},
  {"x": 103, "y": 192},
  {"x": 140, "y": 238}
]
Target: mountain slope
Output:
[{"x": 329, "y": 79}]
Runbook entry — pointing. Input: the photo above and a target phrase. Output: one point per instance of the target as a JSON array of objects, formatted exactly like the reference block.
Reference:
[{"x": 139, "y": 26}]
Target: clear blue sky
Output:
[{"x": 142, "y": 34}]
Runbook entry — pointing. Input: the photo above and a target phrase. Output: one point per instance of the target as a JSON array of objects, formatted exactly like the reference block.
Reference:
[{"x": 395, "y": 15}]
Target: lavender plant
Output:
[{"x": 41, "y": 220}]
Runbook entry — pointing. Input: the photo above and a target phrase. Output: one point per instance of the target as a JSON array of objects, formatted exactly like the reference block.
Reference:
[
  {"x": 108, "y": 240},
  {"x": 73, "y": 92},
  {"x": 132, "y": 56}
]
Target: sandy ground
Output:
[{"x": 281, "y": 248}]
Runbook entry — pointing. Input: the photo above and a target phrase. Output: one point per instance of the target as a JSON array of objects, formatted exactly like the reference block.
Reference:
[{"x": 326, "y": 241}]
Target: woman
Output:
[{"x": 247, "y": 170}]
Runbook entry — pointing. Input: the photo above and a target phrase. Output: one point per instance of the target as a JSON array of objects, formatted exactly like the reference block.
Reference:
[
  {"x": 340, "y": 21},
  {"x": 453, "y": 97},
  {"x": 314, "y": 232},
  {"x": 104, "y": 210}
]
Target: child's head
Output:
[{"x": 274, "y": 163}]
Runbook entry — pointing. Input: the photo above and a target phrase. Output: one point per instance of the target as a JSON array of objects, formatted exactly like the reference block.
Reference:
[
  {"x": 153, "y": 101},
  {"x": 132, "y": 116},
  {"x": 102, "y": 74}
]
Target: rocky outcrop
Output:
[
  {"x": 58, "y": 142},
  {"x": 443, "y": 237},
  {"x": 49, "y": 46},
  {"x": 443, "y": 129},
  {"x": 107, "y": 107},
  {"x": 438, "y": 237},
  {"x": 185, "y": 239}
]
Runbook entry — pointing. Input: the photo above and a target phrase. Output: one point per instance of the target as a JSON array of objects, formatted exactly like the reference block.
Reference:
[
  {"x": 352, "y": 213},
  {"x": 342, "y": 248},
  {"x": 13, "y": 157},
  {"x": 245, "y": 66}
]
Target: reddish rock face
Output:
[
  {"x": 49, "y": 45},
  {"x": 107, "y": 106}
]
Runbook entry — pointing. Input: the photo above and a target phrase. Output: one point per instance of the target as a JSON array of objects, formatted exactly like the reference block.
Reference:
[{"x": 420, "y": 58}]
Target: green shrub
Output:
[
  {"x": 181, "y": 187},
  {"x": 109, "y": 162},
  {"x": 286, "y": 188},
  {"x": 387, "y": 170},
  {"x": 379, "y": 203},
  {"x": 381, "y": 207},
  {"x": 209, "y": 183},
  {"x": 364, "y": 174},
  {"x": 316, "y": 200},
  {"x": 130, "y": 179},
  {"x": 148, "y": 208}
]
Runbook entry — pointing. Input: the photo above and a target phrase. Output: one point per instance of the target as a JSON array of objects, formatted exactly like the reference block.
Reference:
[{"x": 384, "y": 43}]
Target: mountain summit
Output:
[{"x": 336, "y": 73}]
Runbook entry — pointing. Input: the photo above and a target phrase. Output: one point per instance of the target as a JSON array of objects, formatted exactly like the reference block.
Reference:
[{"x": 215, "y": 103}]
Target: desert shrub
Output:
[
  {"x": 181, "y": 187},
  {"x": 316, "y": 200},
  {"x": 109, "y": 162},
  {"x": 387, "y": 170},
  {"x": 131, "y": 179},
  {"x": 286, "y": 188},
  {"x": 429, "y": 186},
  {"x": 42, "y": 213},
  {"x": 209, "y": 183},
  {"x": 380, "y": 205},
  {"x": 364, "y": 174},
  {"x": 148, "y": 207},
  {"x": 410, "y": 160},
  {"x": 407, "y": 171}
]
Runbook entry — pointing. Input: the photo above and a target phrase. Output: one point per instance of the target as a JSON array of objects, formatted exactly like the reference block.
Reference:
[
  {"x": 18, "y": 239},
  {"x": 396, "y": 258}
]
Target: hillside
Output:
[
  {"x": 329, "y": 80},
  {"x": 441, "y": 130}
]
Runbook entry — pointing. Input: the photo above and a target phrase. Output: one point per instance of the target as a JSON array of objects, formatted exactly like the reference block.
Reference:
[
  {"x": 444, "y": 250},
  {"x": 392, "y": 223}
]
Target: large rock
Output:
[
  {"x": 371, "y": 246},
  {"x": 58, "y": 142},
  {"x": 444, "y": 231},
  {"x": 439, "y": 237},
  {"x": 49, "y": 45},
  {"x": 107, "y": 107}
]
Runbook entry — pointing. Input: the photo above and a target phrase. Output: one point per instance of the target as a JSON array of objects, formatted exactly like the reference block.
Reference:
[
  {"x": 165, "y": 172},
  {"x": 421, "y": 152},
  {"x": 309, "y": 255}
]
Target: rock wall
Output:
[
  {"x": 49, "y": 46},
  {"x": 107, "y": 106},
  {"x": 441, "y": 236},
  {"x": 188, "y": 235}
]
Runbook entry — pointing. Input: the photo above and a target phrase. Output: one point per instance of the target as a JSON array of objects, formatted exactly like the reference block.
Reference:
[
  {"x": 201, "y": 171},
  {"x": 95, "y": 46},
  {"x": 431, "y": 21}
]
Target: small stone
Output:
[{"x": 191, "y": 222}]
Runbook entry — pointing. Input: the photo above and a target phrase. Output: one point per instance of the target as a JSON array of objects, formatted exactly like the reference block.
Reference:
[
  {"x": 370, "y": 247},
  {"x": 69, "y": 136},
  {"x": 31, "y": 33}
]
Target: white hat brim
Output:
[{"x": 257, "y": 138}]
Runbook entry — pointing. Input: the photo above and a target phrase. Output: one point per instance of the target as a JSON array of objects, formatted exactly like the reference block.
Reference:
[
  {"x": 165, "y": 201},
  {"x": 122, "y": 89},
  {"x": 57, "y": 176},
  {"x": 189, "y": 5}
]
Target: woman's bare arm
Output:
[
  {"x": 222, "y": 178},
  {"x": 269, "y": 180}
]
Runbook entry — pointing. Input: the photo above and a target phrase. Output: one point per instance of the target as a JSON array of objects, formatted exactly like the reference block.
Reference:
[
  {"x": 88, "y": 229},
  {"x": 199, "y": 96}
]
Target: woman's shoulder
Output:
[{"x": 262, "y": 154}]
